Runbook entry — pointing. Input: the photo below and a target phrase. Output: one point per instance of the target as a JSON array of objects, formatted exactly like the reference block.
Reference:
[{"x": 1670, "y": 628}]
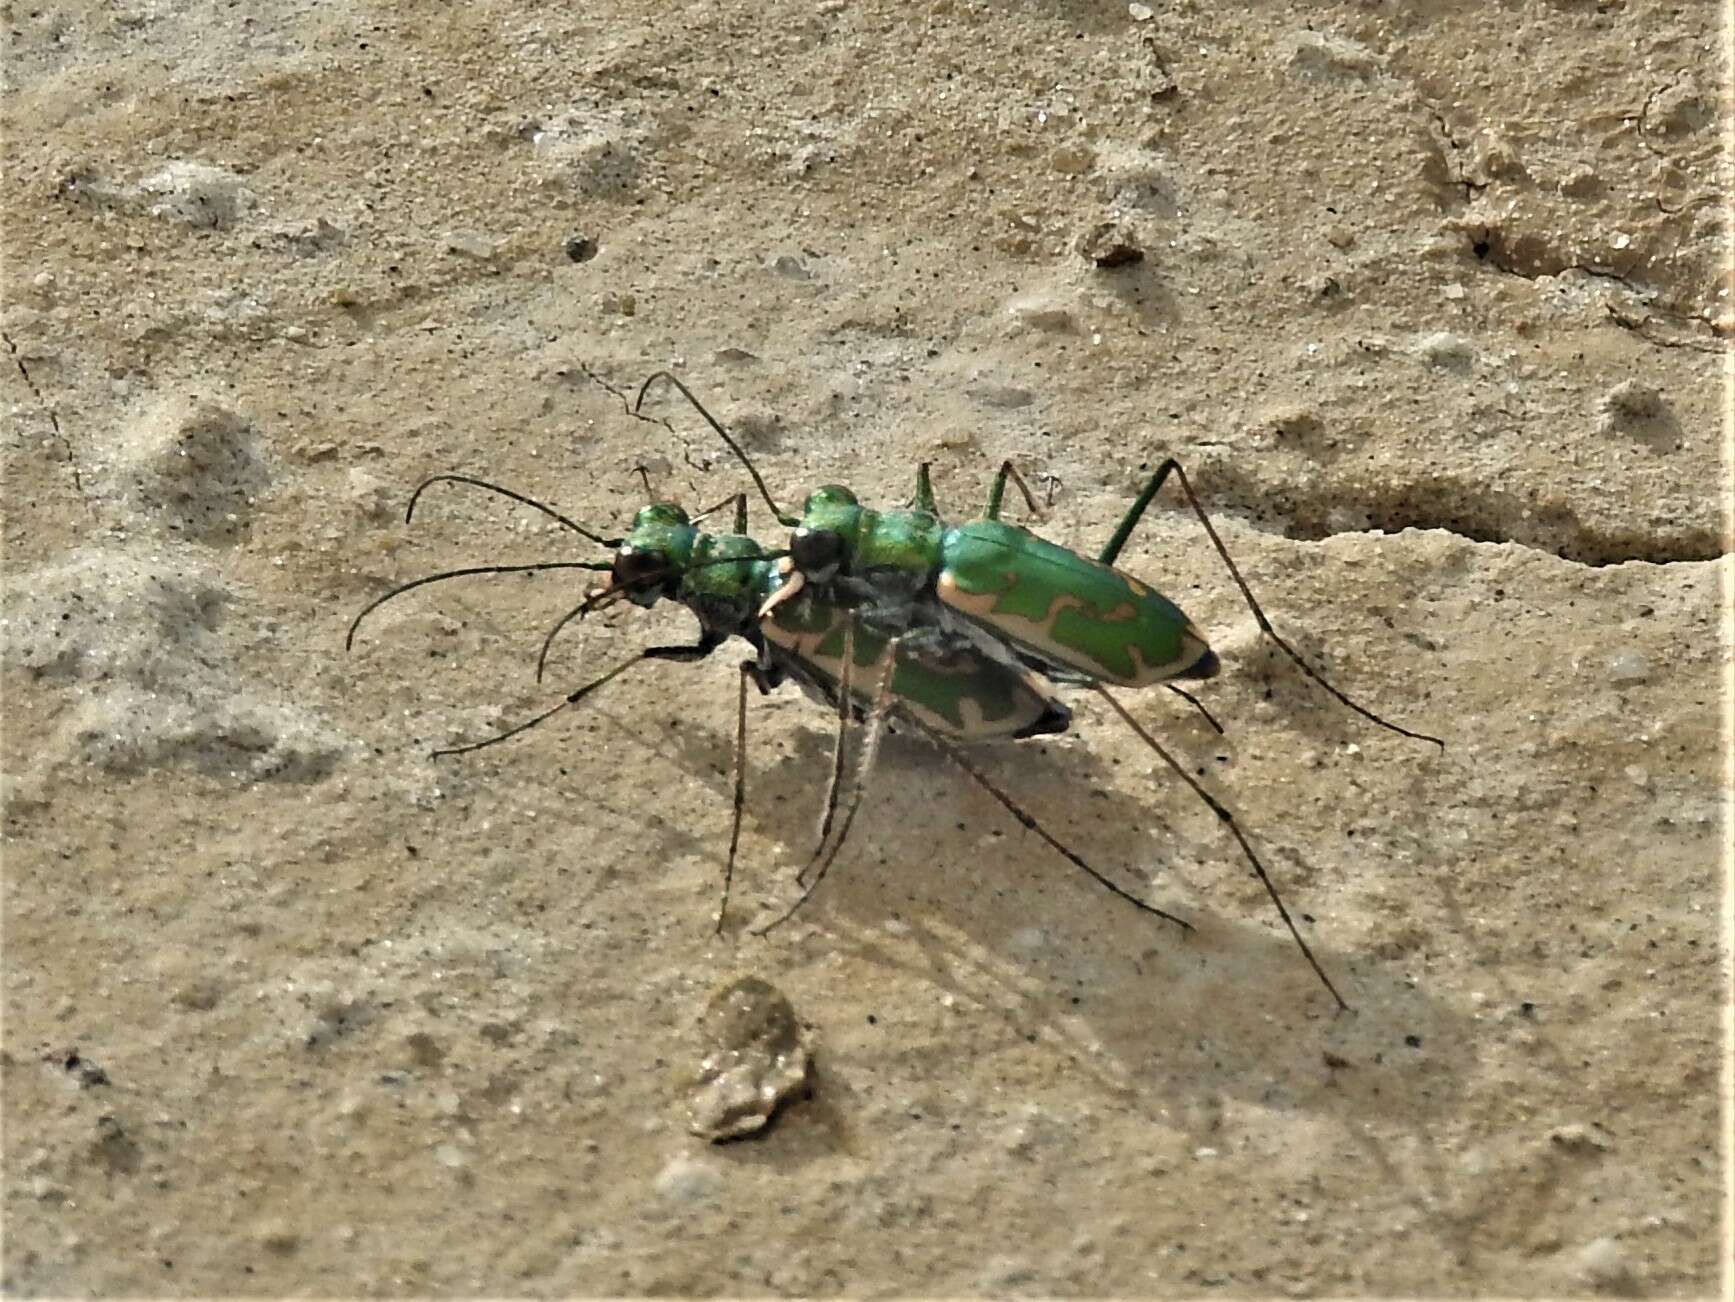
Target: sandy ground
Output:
[{"x": 1432, "y": 307}]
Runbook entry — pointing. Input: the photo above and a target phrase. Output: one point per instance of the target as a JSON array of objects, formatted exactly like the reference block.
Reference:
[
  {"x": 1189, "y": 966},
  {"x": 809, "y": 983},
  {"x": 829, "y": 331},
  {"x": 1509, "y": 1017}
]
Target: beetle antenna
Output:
[
  {"x": 377, "y": 602},
  {"x": 531, "y": 502},
  {"x": 699, "y": 518},
  {"x": 788, "y": 521},
  {"x": 577, "y": 612}
]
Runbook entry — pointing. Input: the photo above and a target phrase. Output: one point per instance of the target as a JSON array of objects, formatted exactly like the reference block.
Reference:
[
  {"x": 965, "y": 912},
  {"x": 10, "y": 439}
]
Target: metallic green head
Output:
[
  {"x": 653, "y": 557},
  {"x": 830, "y": 529}
]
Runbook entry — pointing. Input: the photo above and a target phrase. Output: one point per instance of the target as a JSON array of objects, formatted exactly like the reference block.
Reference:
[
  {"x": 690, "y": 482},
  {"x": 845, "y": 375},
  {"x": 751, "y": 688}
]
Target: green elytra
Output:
[
  {"x": 724, "y": 579},
  {"x": 1072, "y": 618},
  {"x": 945, "y": 687}
]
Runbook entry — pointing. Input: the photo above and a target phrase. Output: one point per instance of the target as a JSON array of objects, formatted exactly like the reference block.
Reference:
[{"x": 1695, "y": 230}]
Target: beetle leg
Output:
[
  {"x": 839, "y": 749},
  {"x": 997, "y": 491},
  {"x": 956, "y": 755},
  {"x": 925, "y": 491},
  {"x": 1130, "y": 520},
  {"x": 869, "y": 753},
  {"x": 1194, "y": 701},
  {"x": 749, "y": 669},
  {"x": 708, "y": 642},
  {"x": 1228, "y": 821}
]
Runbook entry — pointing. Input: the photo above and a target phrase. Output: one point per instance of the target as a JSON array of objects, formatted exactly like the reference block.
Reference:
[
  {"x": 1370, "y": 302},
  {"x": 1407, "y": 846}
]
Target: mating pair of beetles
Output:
[{"x": 961, "y": 632}]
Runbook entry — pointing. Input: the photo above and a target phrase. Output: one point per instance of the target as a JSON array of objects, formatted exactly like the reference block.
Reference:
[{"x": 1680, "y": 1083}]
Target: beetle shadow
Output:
[
  {"x": 1172, "y": 1024},
  {"x": 1190, "y": 1032}
]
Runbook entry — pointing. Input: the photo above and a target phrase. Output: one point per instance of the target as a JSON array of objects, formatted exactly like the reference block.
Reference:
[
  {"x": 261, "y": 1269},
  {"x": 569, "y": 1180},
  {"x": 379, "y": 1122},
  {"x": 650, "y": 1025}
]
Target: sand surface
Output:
[{"x": 1431, "y": 305}]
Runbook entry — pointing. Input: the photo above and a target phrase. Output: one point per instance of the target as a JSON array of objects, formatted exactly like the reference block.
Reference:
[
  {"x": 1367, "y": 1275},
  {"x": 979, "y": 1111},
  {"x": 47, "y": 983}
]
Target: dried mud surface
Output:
[{"x": 1433, "y": 307}]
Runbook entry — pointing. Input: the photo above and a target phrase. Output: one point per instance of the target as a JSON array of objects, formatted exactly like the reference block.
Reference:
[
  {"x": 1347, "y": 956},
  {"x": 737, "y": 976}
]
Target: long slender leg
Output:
[
  {"x": 925, "y": 491},
  {"x": 869, "y": 753},
  {"x": 1194, "y": 701},
  {"x": 698, "y": 517},
  {"x": 1228, "y": 820},
  {"x": 997, "y": 491},
  {"x": 1129, "y": 522},
  {"x": 953, "y": 753},
  {"x": 839, "y": 750},
  {"x": 684, "y": 654},
  {"x": 749, "y": 669}
]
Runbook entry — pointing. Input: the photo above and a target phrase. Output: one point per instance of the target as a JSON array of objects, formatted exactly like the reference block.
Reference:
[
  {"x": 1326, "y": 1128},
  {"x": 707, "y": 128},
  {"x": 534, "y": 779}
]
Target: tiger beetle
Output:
[
  {"x": 942, "y": 685},
  {"x": 1020, "y": 598}
]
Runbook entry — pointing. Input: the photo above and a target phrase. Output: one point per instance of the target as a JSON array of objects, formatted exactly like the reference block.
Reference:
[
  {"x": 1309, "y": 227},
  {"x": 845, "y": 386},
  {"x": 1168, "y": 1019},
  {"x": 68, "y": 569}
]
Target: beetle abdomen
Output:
[
  {"x": 1067, "y": 609},
  {"x": 946, "y": 684}
]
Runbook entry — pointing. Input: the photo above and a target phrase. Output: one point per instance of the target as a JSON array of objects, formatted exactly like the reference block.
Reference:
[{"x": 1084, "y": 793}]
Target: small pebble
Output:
[
  {"x": 1629, "y": 667},
  {"x": 1005, "y": 397},
  {"x": 1632, "y": 403},
  {"x": 199, "y": 194},
  {"x": 450, "y": 1155},
  {"x": 470, "y": 244},
  {"x": 1072, "y": 160},
  {"x": 1603, "y": 1263},
  {"x": 1041, "y": 312},
  {"x": 1581, "y": 1137},
  {"x": 1111, "y": 244},
  {"x": 1140, "y": 13},
  {"x": 685, "y": 1180},
  {"x": 1320, "y": 56},
  {"x": 1445, "y": 350},
  {"x": 753, "y": 1060}
]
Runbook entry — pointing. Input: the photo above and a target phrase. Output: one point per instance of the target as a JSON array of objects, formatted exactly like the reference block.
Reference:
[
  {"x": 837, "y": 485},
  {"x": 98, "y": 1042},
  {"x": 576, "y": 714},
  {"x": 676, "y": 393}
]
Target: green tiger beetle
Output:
[
  {"x": 1018, "y": 597},
  {"x": 944, "y": 686}
]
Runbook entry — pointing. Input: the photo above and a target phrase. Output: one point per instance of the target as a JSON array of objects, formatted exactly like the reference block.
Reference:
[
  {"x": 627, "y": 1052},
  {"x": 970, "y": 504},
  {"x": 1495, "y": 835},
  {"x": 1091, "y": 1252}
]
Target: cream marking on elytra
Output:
[
  {"x": 1029, "y": 697},
  {"x": 1034, "y": 635}
]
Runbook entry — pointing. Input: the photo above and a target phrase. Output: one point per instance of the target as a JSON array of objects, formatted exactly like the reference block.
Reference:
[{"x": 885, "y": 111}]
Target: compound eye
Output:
[
  {"x": 635, "y": 569},
  {"x": 816, "y": 551}
]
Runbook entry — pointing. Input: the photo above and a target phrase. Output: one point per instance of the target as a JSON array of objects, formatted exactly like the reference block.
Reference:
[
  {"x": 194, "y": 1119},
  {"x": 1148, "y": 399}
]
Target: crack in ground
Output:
[
  {"x": 1594, "y": 549},
  {"x": 1469, "y": 511},
  {"x": 48, "y": 410},
  {"x": 1644, "y": 328},
  {"x": 1486, "y": 251},
  {"x": 1455, "y": 174},
  {"x": 1488, "y": 245},
  {"x": 1644, "y": 112}
]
